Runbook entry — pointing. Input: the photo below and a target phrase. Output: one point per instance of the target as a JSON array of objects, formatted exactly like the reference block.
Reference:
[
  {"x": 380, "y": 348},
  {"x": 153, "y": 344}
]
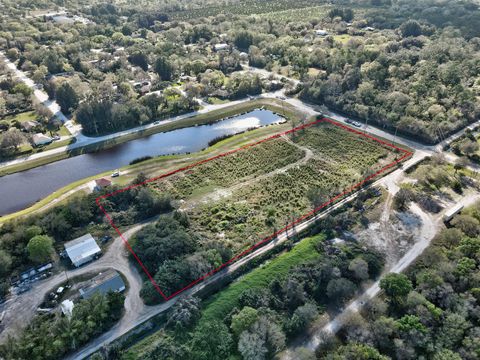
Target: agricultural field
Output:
[
  {"x": 226, "y": 205},
  {"x": 249, "y": 7}
]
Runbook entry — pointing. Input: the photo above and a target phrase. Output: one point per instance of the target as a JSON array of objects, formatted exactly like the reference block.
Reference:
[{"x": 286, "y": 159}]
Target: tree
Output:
[
  {"x": 163, "y": 68},
  {"x": 67, "y": 98},
  {"x": 184, "y": 313},
  {"x": 264, "y": 339},
  {"x": 251, "y": 346},
  {"x": 12, "y": 138},
  {"x": 53, "y": 62},
  {"x": 340, "y": 290},
  {"x": 354, "y": 351},
  {"x": 211, "y": 341},
  {"x": 139, "y": 59},
  {"x": 40, "y": 248},
  {"x": 243, "y": 320},
  {"x": 32, "y": 231},
  {"x": 467, "y": 224},
  {"x": 5, "y": 262},
  {"x": 396, "y": 287},
  {"x": 359, "y": 268},
  {"x": 243, "y": 40},
  {"x": 302, "y": 317},
  {"x": 410, "y": 28}
]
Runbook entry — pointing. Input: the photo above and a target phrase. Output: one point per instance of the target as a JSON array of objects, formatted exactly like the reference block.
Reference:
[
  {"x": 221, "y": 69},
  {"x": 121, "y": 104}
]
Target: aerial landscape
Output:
[{"x": 241, "y": 180}]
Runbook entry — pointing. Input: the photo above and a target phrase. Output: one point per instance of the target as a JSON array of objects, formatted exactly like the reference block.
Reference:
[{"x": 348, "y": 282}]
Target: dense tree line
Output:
[
  {"x": 411, "y": 83},
  {"x": 100, "y": 116},
  {"x": 52, "y": 336}
]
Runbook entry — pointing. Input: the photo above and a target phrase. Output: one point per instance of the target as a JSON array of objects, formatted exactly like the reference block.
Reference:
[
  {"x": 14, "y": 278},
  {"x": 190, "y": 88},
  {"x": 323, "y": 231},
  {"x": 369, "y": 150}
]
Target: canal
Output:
[{"x": 20, "y": 190}]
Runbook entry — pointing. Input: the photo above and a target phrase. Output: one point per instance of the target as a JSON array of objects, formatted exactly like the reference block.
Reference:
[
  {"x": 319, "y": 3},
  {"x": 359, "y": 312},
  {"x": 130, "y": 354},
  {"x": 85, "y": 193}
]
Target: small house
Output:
[
  {"x": 82, "y": 250},
  {"x": 103, "y": 283},
  {"x": 101, "y": 184},
  {"x": 40, "y": 139},
  {"x": 30, "y": 124}
]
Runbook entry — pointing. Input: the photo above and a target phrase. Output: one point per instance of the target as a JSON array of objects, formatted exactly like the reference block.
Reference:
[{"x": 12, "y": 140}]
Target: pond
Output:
[{"x": 20, "y": 190}]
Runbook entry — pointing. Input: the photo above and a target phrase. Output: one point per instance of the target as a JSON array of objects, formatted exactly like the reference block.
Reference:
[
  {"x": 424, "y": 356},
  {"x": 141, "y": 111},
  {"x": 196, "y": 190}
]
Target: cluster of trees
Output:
[
  {"x": 100, "y": 116},
  {"x": 432, "y": 311},
  {"x": 435, "y": 177},
  {"x": 32, "y": 240},
  {"x": 52, "y": 336},
  {"x": 265, "y": 319},
  {"x": 170, "y": 251},
  {"x": 410, "y": 83},
  {"x": 15, "y": 96}
]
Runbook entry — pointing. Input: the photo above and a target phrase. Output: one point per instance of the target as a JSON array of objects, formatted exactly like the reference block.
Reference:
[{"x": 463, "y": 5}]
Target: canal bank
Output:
[{"x": 20, "y": 190}]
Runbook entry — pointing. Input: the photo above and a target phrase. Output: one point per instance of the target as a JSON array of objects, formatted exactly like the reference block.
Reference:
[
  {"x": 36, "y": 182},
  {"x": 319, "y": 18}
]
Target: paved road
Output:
[{"x": 75, "y": 130}]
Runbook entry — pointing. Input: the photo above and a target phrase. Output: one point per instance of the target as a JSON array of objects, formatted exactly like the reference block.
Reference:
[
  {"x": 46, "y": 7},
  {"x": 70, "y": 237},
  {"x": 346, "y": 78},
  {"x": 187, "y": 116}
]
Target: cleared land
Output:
[{"x": 234, "y": 201}]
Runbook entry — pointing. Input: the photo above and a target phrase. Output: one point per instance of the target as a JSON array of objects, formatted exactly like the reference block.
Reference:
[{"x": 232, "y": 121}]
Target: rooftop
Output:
[
  {"x": 81, "y": 248},
  {"x": 103, "y": 283}
]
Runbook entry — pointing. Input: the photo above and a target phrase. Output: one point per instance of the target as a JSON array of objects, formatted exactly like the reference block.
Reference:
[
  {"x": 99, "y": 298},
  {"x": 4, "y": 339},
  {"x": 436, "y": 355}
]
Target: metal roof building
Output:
[
  {"x": 103, "y": 283},
  {"x": 82, "y": 250}
]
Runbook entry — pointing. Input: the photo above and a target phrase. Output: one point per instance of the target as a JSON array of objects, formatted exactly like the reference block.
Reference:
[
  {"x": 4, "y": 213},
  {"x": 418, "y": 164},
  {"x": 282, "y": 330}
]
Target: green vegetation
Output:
[
  {"x": 431, "y": 311},
  {"x": 67, "y": 221},
  {"x": 435, "y": 179},
  {"x": 266, "y": 308},
  {"x": 52, "y": 336},
  {"x": 234, "y": 201},
  {"x": 274, "y": 105}
]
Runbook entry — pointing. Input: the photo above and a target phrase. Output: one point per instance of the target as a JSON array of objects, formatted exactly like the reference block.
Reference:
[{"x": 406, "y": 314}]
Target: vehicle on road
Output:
[{"x": 116, "y": 173}]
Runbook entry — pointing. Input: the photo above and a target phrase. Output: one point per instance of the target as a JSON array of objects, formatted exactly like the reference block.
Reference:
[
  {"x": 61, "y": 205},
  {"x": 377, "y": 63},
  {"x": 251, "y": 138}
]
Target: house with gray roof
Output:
[
  {"x": 103, "y": 283},
  {"x": 82, "y": 250}
]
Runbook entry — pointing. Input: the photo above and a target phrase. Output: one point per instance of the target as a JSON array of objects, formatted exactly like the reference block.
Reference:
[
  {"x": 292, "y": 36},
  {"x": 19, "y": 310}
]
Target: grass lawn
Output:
[
  {"x": 219, "y": 305},
  {"x": 286, "y": 111},
  {"x": 150, "y": 167},
  {"x": 22, "y": 117}
]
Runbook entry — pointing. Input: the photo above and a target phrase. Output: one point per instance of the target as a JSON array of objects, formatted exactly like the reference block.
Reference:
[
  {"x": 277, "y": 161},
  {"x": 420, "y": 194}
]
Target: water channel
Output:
[{"x": 20, "y": 190}]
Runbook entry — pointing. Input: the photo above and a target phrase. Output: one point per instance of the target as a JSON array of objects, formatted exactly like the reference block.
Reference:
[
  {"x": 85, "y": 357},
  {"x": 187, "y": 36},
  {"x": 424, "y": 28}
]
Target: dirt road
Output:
[
  {"x": 430, "y": 226},
  {"x": 21, "y": 308}
]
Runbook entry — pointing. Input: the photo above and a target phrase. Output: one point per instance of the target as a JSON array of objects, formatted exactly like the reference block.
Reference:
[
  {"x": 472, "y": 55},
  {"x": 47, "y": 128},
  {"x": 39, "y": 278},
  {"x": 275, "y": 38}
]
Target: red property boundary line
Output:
[{"x": 406, "y": 154}]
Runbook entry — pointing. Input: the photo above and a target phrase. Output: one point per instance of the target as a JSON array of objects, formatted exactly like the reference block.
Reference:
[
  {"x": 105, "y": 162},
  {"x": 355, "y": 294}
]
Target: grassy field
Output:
[
  {"x": 242, "y": 198},
  {"x": 219, "y": 305}
]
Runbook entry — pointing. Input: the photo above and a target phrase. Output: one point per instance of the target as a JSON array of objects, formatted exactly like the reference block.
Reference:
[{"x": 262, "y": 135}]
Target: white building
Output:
[
  {"x": 41, "y": 139},
  {"x": 82, "y": 250}
]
